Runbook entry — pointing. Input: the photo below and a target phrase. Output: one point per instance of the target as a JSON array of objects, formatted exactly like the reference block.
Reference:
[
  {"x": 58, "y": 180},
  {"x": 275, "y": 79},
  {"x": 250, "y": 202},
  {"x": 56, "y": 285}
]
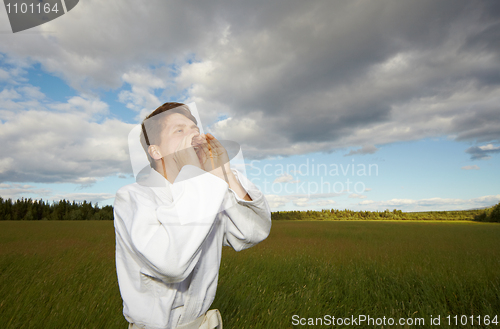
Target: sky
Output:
[{"x": 362, "y": 105}]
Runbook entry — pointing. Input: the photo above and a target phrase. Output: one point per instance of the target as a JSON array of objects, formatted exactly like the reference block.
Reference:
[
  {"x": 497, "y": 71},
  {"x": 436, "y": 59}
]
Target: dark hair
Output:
[{"x": 151, "y": 128}]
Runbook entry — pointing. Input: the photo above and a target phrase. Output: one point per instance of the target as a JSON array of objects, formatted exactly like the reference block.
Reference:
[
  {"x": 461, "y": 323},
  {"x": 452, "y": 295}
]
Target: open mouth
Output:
[{"x": 196, "y": 142}]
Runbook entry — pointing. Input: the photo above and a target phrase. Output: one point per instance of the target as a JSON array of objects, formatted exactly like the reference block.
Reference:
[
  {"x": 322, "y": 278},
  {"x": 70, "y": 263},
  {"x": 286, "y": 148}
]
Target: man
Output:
[{"x": 172, "y": 223}]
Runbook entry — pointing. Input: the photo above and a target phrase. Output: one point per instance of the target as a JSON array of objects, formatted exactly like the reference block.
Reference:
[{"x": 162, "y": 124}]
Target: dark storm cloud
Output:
[{"x": 382, "y": 67}]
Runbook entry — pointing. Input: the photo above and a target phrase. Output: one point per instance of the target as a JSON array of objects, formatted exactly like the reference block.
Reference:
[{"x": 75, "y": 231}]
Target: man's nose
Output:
[{"x": 196, "y": 133}]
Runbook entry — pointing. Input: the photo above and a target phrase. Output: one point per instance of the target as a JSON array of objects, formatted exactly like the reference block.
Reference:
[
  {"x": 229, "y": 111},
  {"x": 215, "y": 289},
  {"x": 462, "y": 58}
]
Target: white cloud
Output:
[
  {"x": 276, "y": 201},
  {"x": 357, "y": 196},
  {"x": 472, "y": 167},
  {"x": 432, "y": 204},
  {"x": 241, "y": 130},
  {"x": 141, "y": 97},
  {"x": 8, "y": 99},
  {"x": 489, "y": 147},
  {"x": 306, "y": 202},
  {"x": 80, "y": 197},
  {"x": 63, "y": 145},
  {"x": 301, "y": 200},
  {"x": 32, "y": 92},
  {"x": 6, "y": 164},
  {"x": 94, "y": 44},
  {"x": 321, "y": 203},
  {"x": 4, "y": 75},
  {"x": 293, "y": 78},
  {"x": 18, "y": 191},
  {"x": 88, "y": 106},
  {"x": 286, "y": 178},
  {"x": 143, "y": 79}
]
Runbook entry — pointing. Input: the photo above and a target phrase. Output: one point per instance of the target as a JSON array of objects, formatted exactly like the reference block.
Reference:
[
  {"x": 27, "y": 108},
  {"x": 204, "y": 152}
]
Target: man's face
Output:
[{"x": 176, "y": 127}]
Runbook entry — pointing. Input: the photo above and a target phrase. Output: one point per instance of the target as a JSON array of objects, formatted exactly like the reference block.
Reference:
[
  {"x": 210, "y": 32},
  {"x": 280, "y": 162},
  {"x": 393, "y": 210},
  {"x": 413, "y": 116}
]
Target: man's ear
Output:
[{"x": 154, "y": 152}]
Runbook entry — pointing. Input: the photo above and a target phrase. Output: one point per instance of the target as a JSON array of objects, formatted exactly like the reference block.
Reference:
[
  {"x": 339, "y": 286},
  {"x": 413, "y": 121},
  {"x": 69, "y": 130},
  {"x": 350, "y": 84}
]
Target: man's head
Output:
[{"x": 164, "y": 128}]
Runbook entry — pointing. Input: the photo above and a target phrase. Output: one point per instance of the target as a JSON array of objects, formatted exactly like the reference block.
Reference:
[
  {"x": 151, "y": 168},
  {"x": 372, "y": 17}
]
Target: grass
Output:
[
  {"x": 62, "y": 274},
  {"x": 58, "y": 275}
]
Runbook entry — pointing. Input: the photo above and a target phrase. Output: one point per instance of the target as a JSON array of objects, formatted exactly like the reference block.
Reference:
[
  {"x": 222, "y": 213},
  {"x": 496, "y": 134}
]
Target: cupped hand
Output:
[
  {"x": 218, "y": 163},
  {"x": 185, "y": 153}
]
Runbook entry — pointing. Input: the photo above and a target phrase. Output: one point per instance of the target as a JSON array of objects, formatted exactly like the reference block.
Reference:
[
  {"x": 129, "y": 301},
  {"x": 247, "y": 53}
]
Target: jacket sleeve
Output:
[
  {"x": 167, "y": 237},
  {"x": 247, "y": 222}
]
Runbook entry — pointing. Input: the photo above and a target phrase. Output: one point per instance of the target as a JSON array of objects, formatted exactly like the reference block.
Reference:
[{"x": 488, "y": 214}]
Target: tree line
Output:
[
  {"x": 489, "y": 215},
  {"x": 28, "y": 209},
  {"x": 337, "y": 214}
]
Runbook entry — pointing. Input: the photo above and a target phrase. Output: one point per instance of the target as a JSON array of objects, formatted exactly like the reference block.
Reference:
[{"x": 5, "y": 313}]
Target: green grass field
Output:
[{"x": 62, "y": 274}]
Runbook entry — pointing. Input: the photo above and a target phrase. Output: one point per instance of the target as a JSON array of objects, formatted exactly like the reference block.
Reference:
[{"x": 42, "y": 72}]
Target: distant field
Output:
[{"x": 62, "y": 275}]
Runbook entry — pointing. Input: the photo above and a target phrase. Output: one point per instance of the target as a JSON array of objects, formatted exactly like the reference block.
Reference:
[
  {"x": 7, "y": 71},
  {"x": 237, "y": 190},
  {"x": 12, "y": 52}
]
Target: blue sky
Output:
[{"x": 409, "y": 90}]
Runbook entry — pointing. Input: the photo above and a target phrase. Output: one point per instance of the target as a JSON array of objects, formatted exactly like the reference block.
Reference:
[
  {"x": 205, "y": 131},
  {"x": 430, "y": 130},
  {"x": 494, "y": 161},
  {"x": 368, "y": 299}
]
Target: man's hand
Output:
[{"x": 213, "y": 157}]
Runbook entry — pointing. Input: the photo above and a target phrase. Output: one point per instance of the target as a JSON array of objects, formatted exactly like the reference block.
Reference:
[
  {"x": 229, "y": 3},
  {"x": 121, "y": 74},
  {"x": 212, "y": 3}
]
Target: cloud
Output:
[
  {"x": 77, "y": 47},
  {"x": 302, "y": 200},
  {"x": 366, "y": 149},
  {"x": 90, "y": 107},
  {"x": 80, "y": 197},
  {"x": 49, "y": 142},
  {"x": 368, "y": 189},
  {"x": 357, "y": 196},
  {"x": 432, "y": 204},
  {"x": 277, "y": 201},
  {"x": 306, "y": 202},
  {"x": 286, "y": 178},
  {"x": 472, "y": 167},
  {"x": 141, "y": 98},
  {"x": 4, "y": 75},
  {"x": 6, "y": 164},
  {"x": 291, "y": 77},
  {"x": 482, "y": 152},
  {"x": 32, "y": 92},
  {"x": 245, "y": 130},
  {"x": 377, "y": 92},
  {"x": 17, "y": 191}
]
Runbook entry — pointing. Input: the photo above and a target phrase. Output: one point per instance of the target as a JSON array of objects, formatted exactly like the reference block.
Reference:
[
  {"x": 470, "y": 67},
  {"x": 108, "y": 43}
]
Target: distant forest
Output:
[
  {"x": 28, "y": 209},
  {"x": 484, "y": 215}
]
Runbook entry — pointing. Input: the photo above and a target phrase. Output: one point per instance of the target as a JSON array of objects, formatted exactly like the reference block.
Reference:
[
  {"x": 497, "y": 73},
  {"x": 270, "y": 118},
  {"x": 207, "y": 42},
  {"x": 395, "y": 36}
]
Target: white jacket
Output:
[{"x": 169, "y": 240}]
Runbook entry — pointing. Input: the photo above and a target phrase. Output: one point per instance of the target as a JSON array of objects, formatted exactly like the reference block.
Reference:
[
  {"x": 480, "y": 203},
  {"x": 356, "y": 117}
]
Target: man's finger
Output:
[{"x": 204, "y": 150}]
